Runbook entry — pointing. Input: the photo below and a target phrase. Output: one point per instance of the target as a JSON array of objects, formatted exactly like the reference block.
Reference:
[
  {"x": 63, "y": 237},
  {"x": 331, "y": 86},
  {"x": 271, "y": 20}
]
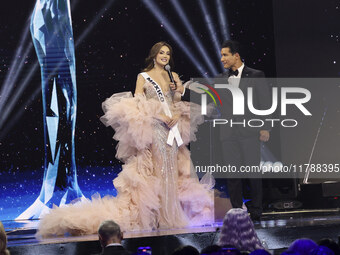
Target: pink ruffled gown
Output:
[{"x": 157, "y": 187}]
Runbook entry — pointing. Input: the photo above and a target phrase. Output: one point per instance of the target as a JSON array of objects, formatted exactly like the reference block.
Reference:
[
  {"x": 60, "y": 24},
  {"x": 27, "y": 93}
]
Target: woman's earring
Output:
[{"x": 154, "y": 62}]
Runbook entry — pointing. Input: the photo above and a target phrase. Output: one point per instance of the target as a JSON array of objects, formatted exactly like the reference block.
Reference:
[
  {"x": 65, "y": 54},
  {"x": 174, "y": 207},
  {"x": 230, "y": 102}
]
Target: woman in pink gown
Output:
[{"x": 157, "y": 187}]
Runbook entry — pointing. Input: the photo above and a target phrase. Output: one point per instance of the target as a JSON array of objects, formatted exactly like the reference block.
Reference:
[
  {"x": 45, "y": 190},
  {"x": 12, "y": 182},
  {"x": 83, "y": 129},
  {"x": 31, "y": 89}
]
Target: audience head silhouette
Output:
[
  {"x": 109, "y": 232},
  {"x": 238, "y": 231},
  {"x": 3, "y": 241},
  {"x": 331, "y": 244},
  {"x": 321, "y": 250},
  {"x": 186, "y": 250},
  {"x": 302, "y": 246}
]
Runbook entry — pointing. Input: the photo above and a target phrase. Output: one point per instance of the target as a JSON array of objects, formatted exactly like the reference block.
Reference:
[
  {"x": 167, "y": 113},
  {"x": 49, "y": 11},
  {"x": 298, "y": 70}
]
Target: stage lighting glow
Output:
[
  {"x": 306, "y": 177},
  {"x": 223, "y": 20},
  {"x": 15, "y": 68},
  {"x": 21, "y": 88},
  {"x": 74, "y": 3},
  {"x": 161, "y": 17},
  {"x": 9, "y": 84},
  {"x": 10, "y": 106},
  {"x": 17, "y": 116},
  {"x": 212, "y": 30},
  {"x": 197, "y": 41},
  {"x": 93, "y": 22}
]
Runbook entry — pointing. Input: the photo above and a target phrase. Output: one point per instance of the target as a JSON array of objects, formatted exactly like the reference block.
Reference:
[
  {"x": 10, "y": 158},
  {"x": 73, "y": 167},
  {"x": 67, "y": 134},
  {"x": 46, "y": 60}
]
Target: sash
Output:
[{"x": 173, "y": 132}]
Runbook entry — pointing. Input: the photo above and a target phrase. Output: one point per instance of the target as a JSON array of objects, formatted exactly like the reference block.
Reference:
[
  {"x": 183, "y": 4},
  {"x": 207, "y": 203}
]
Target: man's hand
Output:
[{"x": 264, "y": 135}]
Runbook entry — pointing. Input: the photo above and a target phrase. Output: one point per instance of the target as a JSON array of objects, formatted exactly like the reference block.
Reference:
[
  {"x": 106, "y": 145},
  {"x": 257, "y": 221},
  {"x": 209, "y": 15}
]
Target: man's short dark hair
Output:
[
  {"x": 234, "y": 46},
  {"x": 109, "y": 229}
]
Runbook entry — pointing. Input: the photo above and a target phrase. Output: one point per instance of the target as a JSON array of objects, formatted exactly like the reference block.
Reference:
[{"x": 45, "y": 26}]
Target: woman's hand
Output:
[
  {"x": 178, "y": 87},
  {"x": 165, "y": 119},
  {"x": 173, "y": 121},
  {"x": 173, "y": 86}
]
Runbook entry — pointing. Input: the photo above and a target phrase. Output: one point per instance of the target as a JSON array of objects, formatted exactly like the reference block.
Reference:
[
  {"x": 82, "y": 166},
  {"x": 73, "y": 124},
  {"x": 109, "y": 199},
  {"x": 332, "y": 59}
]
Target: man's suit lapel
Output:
[
  {"x": 244, "y": 78},
  {"x": 246, "y": 74}
]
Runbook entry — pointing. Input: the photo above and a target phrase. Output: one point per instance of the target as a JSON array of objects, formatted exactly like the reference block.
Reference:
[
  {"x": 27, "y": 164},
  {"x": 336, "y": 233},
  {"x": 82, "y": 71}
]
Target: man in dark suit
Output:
[
  {"x": 110, "y": 238},
  {"x": 241, "y": 144}
]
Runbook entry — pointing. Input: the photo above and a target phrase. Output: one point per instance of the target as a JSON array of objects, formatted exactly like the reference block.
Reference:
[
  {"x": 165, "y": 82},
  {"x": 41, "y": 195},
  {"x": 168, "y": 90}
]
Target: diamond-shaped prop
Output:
[{"x": 52, "y": 36}]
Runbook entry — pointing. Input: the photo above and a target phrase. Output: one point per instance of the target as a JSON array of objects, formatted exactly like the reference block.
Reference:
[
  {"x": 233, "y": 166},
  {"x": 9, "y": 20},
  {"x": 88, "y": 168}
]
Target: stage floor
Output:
[{"x": 277, "y": 229}]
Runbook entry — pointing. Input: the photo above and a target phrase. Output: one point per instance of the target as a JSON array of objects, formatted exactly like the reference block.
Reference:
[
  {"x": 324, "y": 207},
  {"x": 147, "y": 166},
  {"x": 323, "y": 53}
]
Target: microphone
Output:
[{"x": 167, "y": 68}]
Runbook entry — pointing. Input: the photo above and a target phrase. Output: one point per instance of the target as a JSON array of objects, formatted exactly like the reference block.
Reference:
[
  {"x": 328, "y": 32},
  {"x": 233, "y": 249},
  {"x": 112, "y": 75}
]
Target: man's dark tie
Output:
[{"x": 231, "y": 72}]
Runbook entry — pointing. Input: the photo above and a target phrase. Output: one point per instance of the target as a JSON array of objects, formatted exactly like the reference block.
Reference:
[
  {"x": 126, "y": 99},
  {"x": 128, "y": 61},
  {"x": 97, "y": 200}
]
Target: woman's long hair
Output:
[
  {"x": 238, "y": 231},
  {"x": 149, "y": 61},
  {"x": 3, "y": 241}
]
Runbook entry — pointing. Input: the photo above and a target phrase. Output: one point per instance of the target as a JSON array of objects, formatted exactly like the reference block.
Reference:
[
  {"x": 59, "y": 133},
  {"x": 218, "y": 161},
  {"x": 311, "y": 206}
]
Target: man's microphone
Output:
[{"x": 168, "y": 69}]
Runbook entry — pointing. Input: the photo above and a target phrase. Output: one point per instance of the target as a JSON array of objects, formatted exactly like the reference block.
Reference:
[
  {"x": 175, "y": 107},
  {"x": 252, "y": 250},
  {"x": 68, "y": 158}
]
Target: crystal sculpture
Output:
[{"x": 52, "y": 35}]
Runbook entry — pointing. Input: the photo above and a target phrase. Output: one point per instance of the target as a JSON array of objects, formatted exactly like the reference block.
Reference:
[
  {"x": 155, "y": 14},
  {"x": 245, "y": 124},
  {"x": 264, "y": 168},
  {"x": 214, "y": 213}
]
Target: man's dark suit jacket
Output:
[
  {"x": 115, "y": 250},
  {"x": 261, "y": 100}
]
